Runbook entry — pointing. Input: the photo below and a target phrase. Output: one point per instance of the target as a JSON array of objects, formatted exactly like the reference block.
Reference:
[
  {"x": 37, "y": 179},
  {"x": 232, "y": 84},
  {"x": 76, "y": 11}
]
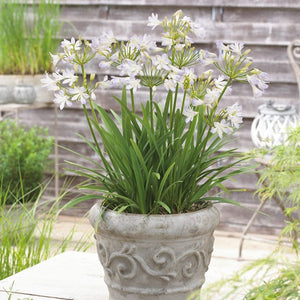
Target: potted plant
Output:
[
  {"x": 28, "y": 33},
  {"x": 158, "y": 161}
]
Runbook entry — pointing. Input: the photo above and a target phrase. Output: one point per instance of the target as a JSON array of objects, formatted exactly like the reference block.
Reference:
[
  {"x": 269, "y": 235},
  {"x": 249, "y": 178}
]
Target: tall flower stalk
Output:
[{"x": 164, "y": 159}]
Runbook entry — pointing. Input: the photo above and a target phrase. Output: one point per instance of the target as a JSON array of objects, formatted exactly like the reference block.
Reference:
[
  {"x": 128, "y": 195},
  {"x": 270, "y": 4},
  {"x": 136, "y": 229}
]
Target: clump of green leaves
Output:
[
  {"x": 26, "y": 233},
  {"x": 23, "y": 159},
  {"x": 28, "y": 33}
]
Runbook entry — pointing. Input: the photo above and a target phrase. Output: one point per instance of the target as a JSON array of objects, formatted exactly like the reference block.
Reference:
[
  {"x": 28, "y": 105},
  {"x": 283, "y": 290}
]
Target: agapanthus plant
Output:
[{"x": 162, "y": 156}]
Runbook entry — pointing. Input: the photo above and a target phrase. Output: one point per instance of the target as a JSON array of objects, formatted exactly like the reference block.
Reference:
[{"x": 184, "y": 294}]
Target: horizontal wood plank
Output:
[
  {"x": 178, "y": 3},
  {"x": 250, "y": 33}
]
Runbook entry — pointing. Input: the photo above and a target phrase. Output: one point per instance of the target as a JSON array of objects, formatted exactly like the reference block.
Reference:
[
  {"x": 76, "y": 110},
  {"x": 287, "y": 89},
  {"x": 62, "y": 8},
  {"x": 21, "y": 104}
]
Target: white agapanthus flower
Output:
[
  {"x": 105, "y": 83},
  {"x": 222, "y": 47},
  {"x": 114, "y": 57},
  {"x": 220, "y": 128},
  {"x": 104, "y": 42},
  {"x": 140, "y": 55},
  {"x": 129, "y": 67},
  {"x": 161, "y": 62},
  {"x": 234, "y": 115},
  {"x": 236, "y": 48},
  {"x": 62, "y": 99},
  {"x": 189, "y": 113},
  {"x": 153, "y": 21},
  {"x": 71, "y": 45},
  {"x": 133, "y": 83},
  {"x": 144, "y": 43},
  {"x": 258, "y": 83},
  {"x": 66, "y": 45},
  {"x": 55, "y": 59},
  {"x": 220, "y": 84},
  {"x": 176, "y": 74},
  {"x": 108, "y": 38},
  {"x": 79, "y": 94},
  {"x": 69, "y": 77},
  {"x": 118, "y": 82},
  {"x": 189, "y": 74},
  {"x": 207, "y": 58},
  {"x": 49, "y": 83},
  {"x": 104, "y": 65},
  {"x": 170, "y": 84},
  {"x": 166, "y": 41},
  {"x": 69, "y": 58},
  {"x": 179, "y": 47},
  {"x": 188, "y": 41},
  {"x": 188, "y": 20},
  {"x": 211, "y": 97}
]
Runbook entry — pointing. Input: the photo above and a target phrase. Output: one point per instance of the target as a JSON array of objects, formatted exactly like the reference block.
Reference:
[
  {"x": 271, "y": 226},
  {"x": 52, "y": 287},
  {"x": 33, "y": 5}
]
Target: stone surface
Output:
[{"x": 71, "y": 275}]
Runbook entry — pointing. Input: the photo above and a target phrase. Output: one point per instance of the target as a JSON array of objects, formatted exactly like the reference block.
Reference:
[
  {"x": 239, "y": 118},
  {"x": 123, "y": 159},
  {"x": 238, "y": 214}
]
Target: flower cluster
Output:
[{"x": 141, "y": 63}]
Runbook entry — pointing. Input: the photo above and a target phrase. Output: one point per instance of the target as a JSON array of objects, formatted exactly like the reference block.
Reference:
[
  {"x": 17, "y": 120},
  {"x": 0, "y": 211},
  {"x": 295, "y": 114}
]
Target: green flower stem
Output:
[
  {"x": 173, "y": 108},
  {"x": 225, "y": 88},
  {"x": 151, "y": 107},
  {"x": 132, "y": 101},
  {"x": 213, "y": 111},
  {"x": 183, "y": 102}
]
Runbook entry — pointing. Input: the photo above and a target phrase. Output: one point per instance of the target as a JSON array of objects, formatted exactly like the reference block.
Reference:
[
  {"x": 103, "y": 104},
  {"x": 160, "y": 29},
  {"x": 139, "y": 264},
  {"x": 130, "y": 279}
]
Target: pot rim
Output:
[
  {"x": 129, "y": 225},
  {"x": 132, "y": 215}
]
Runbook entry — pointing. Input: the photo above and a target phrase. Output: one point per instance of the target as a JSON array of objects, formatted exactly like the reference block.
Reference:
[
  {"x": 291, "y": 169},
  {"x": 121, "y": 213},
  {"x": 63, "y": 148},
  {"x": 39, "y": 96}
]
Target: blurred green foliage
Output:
[{"x": 23, "y": 159}]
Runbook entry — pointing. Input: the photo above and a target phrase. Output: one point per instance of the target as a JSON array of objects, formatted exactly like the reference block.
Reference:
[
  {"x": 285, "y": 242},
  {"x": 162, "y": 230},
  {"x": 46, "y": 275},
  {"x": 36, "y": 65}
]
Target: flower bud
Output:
[{"x": 92, "y": 76}]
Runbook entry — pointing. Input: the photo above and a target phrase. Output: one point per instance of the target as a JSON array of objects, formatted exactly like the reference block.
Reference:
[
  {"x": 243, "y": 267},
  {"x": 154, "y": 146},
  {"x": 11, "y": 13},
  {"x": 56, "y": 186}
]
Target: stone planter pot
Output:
[
  {"x": 5, "y": 96},
  {"x": 24, "y": 94},
  {"x": 161, "y": 257},
  {"x": 25, "y": 89}
]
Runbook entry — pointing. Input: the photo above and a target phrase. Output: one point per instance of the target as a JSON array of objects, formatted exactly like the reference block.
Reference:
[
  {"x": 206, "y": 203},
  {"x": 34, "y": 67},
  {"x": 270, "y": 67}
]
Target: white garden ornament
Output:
[{"x": 270, "y": 126}]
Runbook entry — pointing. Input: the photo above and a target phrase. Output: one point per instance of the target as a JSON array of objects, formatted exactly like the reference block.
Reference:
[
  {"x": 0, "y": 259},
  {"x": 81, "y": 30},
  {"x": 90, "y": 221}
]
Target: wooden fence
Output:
[{"x": 265, "y": 26}]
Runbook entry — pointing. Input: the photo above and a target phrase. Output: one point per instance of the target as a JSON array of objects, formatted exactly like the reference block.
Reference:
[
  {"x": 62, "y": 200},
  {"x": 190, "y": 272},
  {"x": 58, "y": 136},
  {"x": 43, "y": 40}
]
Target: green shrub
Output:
[{"x": 23, "y": 159}]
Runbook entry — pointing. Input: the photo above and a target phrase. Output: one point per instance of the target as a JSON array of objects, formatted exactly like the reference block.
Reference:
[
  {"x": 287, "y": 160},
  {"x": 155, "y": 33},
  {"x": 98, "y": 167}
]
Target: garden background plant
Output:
[
  {"x": 26, "y": 232},
  {"x": 24, "y": 153},
  {"x": 29, "y": 31},
  {"x": 276, "y": 276}
]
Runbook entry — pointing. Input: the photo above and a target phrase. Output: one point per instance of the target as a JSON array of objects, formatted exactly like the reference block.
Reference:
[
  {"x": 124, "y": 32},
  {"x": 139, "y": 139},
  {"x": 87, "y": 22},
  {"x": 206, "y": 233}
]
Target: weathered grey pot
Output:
[
  {"x": 5, "y": 96},
  {"x": 161, "y": 257},
  {"x": 26, "y": 89},
  {"x": 24, "y": 94}
]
